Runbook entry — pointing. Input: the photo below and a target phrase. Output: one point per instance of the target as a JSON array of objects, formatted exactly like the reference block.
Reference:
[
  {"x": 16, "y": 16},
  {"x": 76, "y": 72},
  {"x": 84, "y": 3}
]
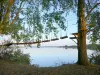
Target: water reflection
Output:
[{"x": 46, "y": 57}]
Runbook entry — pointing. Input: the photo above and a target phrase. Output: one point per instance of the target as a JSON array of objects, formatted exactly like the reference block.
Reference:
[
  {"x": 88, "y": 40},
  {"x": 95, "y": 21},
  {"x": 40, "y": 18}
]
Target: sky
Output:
[{"x": 71, "y": 24}]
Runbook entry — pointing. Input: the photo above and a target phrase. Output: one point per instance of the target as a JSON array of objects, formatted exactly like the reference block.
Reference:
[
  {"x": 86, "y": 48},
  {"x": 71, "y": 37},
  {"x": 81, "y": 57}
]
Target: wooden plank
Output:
[
  {"x": 63, "y": 37},
  {"x": 73, "y": 37},
  {"x": 54, "y": 39},
  {"x": 45, "y": 41}
]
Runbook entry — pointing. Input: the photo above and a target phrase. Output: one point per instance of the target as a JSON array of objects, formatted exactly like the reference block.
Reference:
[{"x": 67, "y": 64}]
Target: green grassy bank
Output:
[{"x": 21, "y": 69}]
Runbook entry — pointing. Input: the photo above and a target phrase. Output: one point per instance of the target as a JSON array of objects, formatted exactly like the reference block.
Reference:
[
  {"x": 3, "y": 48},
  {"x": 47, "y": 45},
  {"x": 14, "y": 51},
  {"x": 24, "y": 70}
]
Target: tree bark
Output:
[{"x": 82, "y": 52}]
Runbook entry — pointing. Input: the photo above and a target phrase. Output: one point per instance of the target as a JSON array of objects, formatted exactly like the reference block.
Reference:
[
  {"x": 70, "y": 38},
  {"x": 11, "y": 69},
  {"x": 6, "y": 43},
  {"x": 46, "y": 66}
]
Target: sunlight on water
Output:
[{"x": 46, "y": 57}]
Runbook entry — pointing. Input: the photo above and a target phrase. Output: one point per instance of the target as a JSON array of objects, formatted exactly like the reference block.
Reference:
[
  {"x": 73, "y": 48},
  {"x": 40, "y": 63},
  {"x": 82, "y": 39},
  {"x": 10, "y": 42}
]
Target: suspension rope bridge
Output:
[
  {"x": 54, "y": 39},
  {"x": 41, "y": 41}
]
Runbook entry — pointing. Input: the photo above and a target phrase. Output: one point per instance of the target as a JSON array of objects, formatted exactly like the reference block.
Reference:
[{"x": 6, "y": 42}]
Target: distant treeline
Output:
[
  {"x": 93, "y": 46},
  {"x": 89, "y": 46},
  {"x": 73, "y": 46}
]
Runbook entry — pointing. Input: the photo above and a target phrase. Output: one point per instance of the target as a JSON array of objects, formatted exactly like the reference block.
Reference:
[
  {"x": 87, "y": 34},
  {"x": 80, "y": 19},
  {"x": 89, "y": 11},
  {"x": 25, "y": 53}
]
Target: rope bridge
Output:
[{"x": 37, "y": 42}]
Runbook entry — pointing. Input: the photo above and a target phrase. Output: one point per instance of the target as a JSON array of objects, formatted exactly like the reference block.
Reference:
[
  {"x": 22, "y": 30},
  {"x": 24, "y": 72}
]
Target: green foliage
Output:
[
  {"x": 14, "y": 54},
  {"x": 95, "y": 58},
  {"x": 19, "y": 57},
  {"x": 93, "y": 46},
  {"x": 31, "y": 21},
  {"x": 93, "y": 20},
  {"x": 38, "y": 17},
  {"x": 94, "y": 27}
]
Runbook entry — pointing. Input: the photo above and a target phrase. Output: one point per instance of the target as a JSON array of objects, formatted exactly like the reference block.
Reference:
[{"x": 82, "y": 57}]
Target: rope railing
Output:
[{"x": 54, "y": 39}]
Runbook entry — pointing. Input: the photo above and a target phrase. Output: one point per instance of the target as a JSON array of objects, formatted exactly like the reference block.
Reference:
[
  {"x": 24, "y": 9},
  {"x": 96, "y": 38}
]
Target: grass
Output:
[{"x": 10, "y": 68}]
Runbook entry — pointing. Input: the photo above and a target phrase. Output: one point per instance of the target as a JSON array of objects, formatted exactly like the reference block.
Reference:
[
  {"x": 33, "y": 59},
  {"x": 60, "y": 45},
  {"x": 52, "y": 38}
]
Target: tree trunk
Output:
[{"x": 82, "y": 52}]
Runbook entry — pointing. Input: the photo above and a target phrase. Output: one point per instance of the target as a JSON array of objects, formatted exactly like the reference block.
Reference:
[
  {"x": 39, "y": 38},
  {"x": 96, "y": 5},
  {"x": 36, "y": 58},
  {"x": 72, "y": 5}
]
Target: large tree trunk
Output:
[{"x": 82, "y": 52}]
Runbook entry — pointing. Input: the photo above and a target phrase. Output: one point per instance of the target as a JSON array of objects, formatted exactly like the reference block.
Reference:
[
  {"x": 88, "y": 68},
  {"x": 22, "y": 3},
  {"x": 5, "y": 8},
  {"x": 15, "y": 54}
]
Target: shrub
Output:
[
  {"x": 95, "y": 58},
  {"x": 14, "y": 54}
]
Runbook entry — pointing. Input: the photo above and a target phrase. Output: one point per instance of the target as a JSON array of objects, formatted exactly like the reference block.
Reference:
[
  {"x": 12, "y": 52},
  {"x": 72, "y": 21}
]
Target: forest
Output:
[{"x": 27, "y": 20}]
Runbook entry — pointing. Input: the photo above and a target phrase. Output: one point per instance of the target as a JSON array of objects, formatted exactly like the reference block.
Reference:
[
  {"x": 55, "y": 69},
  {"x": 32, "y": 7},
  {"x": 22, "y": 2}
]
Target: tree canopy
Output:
[
  {"x": 25, "y": 19},
  {"x": 93, "y": 23}
]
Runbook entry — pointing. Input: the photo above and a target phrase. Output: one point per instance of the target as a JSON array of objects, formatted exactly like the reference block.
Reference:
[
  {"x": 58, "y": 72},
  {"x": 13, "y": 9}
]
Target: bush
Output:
[
  {"x": 95, "y": 58},
  {"x": 14, "y": 54}
]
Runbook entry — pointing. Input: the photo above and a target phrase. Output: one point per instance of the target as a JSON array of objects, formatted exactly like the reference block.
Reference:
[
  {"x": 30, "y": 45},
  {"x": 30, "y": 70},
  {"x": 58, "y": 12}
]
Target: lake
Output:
[{"x": 47, "y": 57}]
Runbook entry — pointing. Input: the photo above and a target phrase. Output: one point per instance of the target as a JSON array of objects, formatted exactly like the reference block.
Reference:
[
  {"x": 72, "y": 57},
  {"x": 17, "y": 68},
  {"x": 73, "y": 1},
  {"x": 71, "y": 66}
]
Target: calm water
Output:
[{"x": 46, "y": 57}]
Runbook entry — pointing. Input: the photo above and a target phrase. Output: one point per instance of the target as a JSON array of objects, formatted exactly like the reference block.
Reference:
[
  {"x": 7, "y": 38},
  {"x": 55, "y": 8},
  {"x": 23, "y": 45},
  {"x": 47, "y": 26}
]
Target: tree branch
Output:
[
  {"x": 19, "y": 9},
  {"x": 91, "y": 30},
  {"x": 91, "y": 10},
  {"x": 6, "y": 17}
]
